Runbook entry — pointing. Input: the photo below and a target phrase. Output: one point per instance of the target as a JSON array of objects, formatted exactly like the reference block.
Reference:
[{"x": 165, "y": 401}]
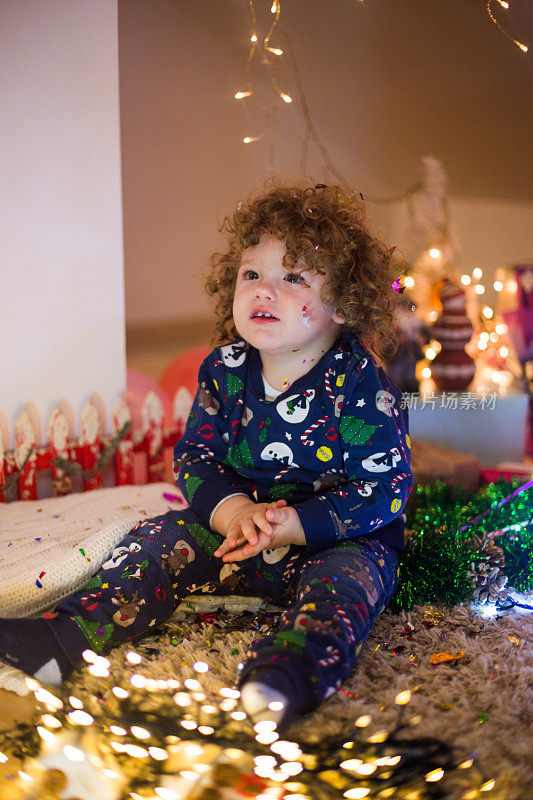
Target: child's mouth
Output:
[{"x": 262, "y": 319}]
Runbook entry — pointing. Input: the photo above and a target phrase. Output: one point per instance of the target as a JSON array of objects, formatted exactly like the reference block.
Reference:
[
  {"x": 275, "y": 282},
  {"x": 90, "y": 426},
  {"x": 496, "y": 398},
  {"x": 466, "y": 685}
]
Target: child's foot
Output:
[
  {"x": 30, "y": 645},
  {"x": 270, "y": 695}
]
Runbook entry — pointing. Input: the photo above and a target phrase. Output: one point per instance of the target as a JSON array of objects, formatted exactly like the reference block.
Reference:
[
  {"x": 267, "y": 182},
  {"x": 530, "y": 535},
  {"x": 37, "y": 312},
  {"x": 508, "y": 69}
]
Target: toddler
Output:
[{"x": 295, "y": 464}]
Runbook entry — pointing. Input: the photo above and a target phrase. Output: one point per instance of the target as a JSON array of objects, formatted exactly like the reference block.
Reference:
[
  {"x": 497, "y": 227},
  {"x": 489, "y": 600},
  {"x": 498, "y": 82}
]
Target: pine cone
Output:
[
  {"x": 488, "y": 582},
  {"x": 489, "y": 551}
]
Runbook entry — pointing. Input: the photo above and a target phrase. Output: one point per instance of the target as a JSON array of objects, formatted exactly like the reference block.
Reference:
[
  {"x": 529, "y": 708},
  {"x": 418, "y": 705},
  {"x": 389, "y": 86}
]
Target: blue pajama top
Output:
[{"x": 335, "y": 444}]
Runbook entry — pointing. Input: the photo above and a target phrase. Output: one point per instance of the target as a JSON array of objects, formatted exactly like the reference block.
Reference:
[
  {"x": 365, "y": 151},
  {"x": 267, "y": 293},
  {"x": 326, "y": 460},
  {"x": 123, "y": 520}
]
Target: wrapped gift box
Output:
[
  {"x": 489, "y": 425},
  {"x": 432, "y": 462}
]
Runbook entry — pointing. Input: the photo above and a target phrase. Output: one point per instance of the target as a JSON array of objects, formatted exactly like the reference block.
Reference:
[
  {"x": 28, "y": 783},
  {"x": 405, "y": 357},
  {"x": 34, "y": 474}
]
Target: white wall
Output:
[{"x": 62, "y": 296}]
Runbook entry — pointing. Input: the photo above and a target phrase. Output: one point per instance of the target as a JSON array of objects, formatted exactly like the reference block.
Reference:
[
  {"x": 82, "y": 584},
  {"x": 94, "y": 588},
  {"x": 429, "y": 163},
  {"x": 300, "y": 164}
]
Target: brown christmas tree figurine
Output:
[{"x": 452, "y": 368}]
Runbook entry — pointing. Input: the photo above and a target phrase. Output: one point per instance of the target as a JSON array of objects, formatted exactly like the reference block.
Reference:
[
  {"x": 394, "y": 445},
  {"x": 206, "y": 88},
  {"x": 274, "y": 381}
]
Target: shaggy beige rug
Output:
[{"x": 480, "y": 703}]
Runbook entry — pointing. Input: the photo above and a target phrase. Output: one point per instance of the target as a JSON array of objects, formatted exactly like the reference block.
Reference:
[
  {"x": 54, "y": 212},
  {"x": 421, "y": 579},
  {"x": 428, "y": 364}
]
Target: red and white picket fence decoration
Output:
[{"x": 152, "y": 441}]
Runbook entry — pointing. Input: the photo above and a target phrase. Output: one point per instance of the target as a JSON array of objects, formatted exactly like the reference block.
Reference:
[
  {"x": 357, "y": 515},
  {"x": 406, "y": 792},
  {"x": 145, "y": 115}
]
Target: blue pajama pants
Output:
[{"x": 331, "y": 598}]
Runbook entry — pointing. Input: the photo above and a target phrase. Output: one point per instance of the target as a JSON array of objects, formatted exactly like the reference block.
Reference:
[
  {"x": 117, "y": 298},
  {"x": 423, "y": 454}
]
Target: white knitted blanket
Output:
[{"x": 49, "y": 548}]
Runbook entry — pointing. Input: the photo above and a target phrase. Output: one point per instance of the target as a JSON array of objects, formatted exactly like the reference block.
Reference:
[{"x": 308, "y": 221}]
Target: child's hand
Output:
[
  {"x": 286, "y": 529},
  {"x": 245, "y": 525}
]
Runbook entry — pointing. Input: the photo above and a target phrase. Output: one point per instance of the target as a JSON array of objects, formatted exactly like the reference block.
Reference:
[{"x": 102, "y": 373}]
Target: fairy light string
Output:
[
  {"x": 505, "y": 6},
  {"x": 151, "y": 730}
]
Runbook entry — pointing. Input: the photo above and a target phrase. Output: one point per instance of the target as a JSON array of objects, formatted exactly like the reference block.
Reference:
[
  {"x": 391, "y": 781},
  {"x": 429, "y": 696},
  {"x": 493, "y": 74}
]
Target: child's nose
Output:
[{"x": 265, "y": 288}]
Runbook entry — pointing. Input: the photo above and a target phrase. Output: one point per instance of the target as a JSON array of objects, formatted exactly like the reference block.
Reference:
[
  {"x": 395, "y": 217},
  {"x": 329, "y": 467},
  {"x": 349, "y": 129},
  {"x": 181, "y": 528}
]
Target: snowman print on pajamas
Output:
[
  {"x": 295, "y": 408},
  {"x": 119, "y": 554},
  {"x": 234, "y": 354},
  {"x": 381, "y": 462}
]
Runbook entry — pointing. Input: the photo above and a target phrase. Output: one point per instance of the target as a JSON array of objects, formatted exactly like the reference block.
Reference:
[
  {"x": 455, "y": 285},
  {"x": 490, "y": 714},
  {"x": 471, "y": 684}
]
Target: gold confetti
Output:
[
  {"x": 440, "y": 658},
  {"x": 514, "y": 640}
]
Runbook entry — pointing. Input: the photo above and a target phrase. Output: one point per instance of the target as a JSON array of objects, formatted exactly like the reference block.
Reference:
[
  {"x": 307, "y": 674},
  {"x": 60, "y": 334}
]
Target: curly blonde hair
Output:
[{"x": 325, "y": 227}]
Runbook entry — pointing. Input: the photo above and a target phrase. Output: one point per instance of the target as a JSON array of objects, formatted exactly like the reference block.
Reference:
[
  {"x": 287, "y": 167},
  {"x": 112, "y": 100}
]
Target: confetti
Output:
[
  {"x": 82, "y": 551},
  {"x": 38, "y": 539},
  {"x": 440, "y": 658},
  {"x": 173, "y": 498},
  {"x": 38, "y": 581},
  {"x": 514, "y": 640}
]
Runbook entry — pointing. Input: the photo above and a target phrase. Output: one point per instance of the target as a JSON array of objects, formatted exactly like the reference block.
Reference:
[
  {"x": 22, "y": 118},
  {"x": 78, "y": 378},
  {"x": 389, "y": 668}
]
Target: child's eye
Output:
[
  {"x": 249, "y": 274},
  {"x": 294, "y": 277}
]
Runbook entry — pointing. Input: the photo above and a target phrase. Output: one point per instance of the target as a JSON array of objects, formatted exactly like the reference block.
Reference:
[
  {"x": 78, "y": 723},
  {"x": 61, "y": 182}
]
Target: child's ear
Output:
[{"x": 338, "y": 317}]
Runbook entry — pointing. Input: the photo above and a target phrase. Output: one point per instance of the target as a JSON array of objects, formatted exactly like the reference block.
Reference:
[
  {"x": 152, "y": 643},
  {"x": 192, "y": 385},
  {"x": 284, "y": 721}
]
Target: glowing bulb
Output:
[
  {"x": 265, "y": 726},
  {"x": 409, "y": 281},
  {"x": 426, "y": 372},
  {"x": 291, "y": 768},
  {"x": 403, "y": 698},
  {"x": 80, "y": 718},
  {"x": 119, "y": 692},
  {"x": 466, "y": 280},
  {"x": 50, "y": 722},
  {"x": 286, "y": 98},
  {"x": 484, "y": 336},
  {"x": 494, "y": 337},
  {"x": 250, "y": 139},
  {"x": 3, "y": 758},
  {"x": 435, "y": 252},
  {"x": 435, "y": 775},
  {"x": 351, "y": 763},
  {"x": 192, "y": 684},
  {"x": 432, "y": 316},
  {"x": 289, "y": 751},
  {"x": 73, "y": 753},
  {"x": 366, "y": 769},
  {"x": 167, "y": 794},
  {"x": 501, "y": 328},
  {"x": 99, "y": 670},
  {"x": 524, "y": 49},
  {"x": 133, "y": 658},
  {"x": 117, "y": 730},
  {"x": 238, "y": 715},
  {"x": 503, "y": 4},
  {"x": 488, "y": 313},
  {"x": 89, "y": 656},
  {"x": 135, "y": 751},
  {"x": 188, "y": 724},
  {"x": 378, "y": 737},
  {"x": 241, "y": 95},
  {"x": 482, "y": 344},
  {"x": 46, "y": 735},
  {"x": 253, "y": 38},
  {"x": 206, "y": 729},
  {"x": 267, "y": 738},
  {"x": 362, "y": 722},
  {"x": 265, "y": 762},
  {"x": 231, "y": 693},
  {"x": 51, "y": 701},
  {"x": 275, "y": 50},
  {"x": 479, "y": 289},
  {"x": 477, "y": 273},
  {"x": 355, "y": 794},
  {"x": 512, "y": 286},
  {"x": 140, "y": 733},
  {"x": 466, "y": 764},
  {"x": 430, "y": 353},
  {"x": 498, "y": 286},
  {"x": 274, "y": 6},
  {"x": 139, "y": 681}
]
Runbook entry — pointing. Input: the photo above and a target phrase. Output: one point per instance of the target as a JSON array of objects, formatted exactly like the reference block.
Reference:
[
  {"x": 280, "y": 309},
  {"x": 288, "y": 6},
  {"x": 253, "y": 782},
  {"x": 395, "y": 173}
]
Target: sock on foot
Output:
[
  {"x": 269, "y": 694},
  {"x": 29, "y": 645}
]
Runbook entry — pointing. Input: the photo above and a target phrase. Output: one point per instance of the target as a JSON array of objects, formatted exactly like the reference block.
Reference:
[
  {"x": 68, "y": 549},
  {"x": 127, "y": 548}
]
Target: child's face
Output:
[{"x": 299, "y": 320}]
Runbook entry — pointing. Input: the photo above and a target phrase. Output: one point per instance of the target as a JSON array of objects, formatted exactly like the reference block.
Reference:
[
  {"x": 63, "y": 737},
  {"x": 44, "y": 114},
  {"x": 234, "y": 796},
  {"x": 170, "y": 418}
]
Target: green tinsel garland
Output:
[{"x": 435, "y": 564}]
